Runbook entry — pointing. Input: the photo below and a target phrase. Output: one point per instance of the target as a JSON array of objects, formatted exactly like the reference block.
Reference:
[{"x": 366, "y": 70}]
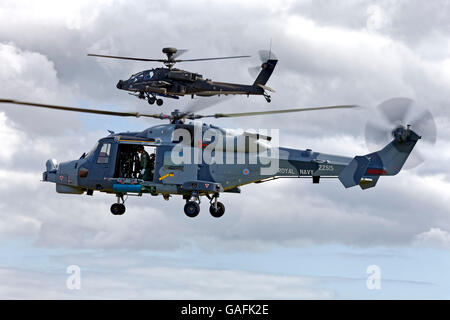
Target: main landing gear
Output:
[
  {"x": 192, "y": 208},
  {"x": 151, "y": 98},
  {"x": 216, "y": 208},
  {"x": 118, "y": 208}
]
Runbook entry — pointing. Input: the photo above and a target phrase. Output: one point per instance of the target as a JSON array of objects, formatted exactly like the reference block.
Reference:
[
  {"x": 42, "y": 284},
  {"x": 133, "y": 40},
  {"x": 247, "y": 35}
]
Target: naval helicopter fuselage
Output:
[{"x": 194, "y": 160}]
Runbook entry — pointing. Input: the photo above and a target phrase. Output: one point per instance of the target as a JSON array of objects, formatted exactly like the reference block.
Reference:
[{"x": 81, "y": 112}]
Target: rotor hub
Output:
[
  {"x": 400, "y": 133},
  {"x": 176, "y": 116},
  {"x": 176, "y": 113},
  {"x": 169, "y": 50}
]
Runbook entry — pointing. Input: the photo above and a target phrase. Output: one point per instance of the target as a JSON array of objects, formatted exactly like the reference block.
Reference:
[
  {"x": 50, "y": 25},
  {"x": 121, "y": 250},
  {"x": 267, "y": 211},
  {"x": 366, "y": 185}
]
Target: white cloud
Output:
[
  {"x": 27, "y": 75},
  {"x": 435, "y": 237},
  {"x": 72, "y": 15},
  {"x": 376, "y": 19},
  {"x": 160, "y": 283},
  {"x": 322, "y": 62},
  {"x": 9, "y": 139}
]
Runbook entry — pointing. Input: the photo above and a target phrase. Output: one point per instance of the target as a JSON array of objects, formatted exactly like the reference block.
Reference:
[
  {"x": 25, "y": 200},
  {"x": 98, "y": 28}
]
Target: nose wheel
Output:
[{"x": 118, "y": 208}]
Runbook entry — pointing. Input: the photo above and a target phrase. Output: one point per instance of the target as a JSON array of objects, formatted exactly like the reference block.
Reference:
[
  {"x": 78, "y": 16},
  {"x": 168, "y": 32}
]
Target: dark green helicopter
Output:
[{"x": 172, "y": 83}]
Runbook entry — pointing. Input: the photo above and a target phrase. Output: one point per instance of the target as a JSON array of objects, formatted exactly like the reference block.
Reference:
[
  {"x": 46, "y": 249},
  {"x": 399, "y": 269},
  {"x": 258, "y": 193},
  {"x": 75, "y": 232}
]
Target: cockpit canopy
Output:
[{"x": 143, "y": 75}]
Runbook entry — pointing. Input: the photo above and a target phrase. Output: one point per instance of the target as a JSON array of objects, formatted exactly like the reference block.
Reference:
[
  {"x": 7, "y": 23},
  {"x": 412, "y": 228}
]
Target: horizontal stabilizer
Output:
[{"x": 266, "y": 88}]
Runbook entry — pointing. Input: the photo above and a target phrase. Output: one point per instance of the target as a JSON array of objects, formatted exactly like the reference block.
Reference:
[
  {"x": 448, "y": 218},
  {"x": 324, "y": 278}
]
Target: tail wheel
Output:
[
  {"x": 217, "y": 213},
  {"x": 191, "y": 209},
  {"x": 118, "y": 209}
]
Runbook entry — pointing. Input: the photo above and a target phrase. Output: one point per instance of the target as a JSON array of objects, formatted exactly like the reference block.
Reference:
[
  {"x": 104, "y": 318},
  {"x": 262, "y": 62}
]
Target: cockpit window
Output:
[
  {"x": 148, "y": 75},
  {"x": 103, "y": 155},
  {"x": 137, "y": 77},
  {"x": 91, "y": 153}
]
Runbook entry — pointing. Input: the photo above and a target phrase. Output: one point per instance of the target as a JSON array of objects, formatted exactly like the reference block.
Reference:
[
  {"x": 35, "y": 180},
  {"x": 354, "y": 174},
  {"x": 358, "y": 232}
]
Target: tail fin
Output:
[
  {"x": 266, "y": 72},
  {"x": 366, "y": 170}
]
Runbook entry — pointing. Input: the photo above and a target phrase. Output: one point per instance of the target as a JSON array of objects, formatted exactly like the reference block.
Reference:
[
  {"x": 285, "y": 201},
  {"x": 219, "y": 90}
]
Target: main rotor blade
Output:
[
  {"x": 125, "y": 58},
  {"x": 179, "y": 53},
  {"x": 164, "y": 60},
  {"x": 258, "y": 113},
  {"x": 206, "y": 59},
  {"x": 83, "y": 110}
]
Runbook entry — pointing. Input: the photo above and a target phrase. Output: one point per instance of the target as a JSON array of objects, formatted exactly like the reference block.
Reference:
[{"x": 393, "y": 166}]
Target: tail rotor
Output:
[
  {"x": 264, "y": 57},
  {"x": 393, "y": 118}
]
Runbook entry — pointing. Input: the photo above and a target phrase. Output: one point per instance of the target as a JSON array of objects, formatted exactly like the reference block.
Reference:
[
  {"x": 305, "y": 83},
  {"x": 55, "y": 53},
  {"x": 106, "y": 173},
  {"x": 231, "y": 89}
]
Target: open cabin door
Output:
[{"x": 128, "y": 160}]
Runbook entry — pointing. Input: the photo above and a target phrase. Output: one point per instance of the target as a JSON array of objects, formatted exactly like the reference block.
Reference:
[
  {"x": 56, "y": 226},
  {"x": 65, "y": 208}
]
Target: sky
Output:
[{"x": 286, "y": 239}]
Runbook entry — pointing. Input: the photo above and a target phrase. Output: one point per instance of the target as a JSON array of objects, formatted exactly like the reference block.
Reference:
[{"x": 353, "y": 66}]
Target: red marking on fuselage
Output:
[{"x": 376, "y": 171}]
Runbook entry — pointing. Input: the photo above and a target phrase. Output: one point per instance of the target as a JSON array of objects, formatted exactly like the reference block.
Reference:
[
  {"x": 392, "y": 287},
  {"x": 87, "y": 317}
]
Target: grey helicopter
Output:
[
  {"x": 113, "y": 167},
  {"x": 170, "y": 82}
]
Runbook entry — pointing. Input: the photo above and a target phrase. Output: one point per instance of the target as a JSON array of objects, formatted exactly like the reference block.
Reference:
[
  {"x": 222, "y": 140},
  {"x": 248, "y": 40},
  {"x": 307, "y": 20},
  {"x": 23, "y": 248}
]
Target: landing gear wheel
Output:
[
  {"x": 118, "y": 209},
  {"x": 217, "y": 213},
  {"x": 151, "y": 100},
  {"x": 191, "y": 209},
  {"x": 159, "y": 102}
]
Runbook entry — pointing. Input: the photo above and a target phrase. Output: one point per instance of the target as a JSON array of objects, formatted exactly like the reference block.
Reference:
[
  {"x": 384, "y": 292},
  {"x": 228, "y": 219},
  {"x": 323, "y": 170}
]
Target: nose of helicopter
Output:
[{"x": 119, "y": 84}]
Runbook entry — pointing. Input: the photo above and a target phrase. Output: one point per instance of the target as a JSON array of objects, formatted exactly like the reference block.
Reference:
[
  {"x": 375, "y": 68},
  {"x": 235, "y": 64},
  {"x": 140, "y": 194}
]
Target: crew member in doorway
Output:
[
  {"x": 152, "y": 165},
  {"x": 146, "y": 164}
]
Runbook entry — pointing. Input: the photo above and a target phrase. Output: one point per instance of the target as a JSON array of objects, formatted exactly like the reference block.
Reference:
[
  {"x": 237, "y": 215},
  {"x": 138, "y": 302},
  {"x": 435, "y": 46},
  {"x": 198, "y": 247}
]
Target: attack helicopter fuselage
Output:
[
  {"x": 172, "y": 83},
  {"x": 175, "y": 82}
]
